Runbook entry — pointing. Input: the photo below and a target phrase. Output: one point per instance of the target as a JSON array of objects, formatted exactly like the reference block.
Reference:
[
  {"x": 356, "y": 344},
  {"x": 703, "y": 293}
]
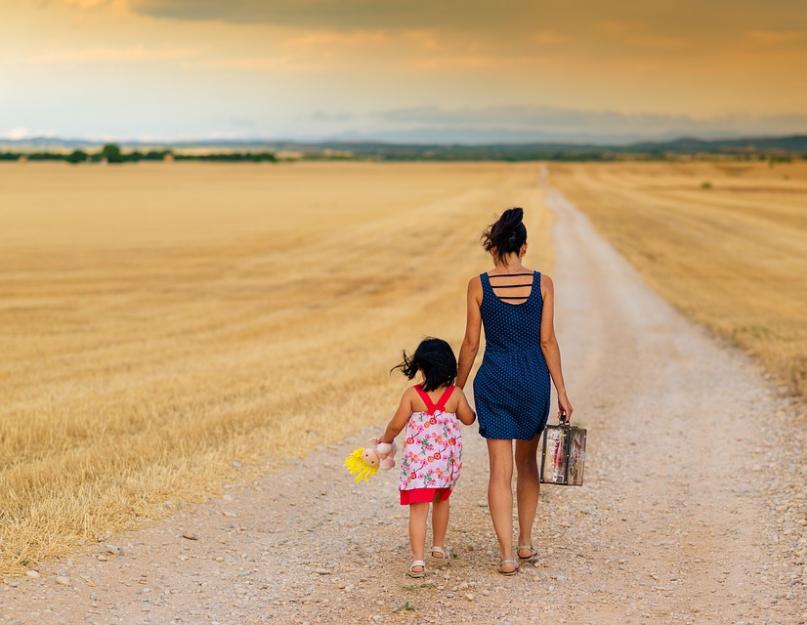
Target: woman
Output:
[{"x": 511, "y": 388}]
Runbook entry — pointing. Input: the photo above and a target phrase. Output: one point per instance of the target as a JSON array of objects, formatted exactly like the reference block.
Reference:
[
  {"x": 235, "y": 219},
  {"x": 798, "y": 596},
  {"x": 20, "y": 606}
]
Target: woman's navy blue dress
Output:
[{"x": 511, "y": 388}]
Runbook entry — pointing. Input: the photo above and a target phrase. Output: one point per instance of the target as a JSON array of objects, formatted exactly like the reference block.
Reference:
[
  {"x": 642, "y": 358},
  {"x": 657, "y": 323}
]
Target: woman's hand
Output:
[{"x": 565, "y": 408}]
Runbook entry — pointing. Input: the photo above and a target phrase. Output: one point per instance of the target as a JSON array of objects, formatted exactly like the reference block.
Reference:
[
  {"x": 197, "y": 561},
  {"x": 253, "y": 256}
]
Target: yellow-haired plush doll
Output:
[{"x": 364, "y": 462}]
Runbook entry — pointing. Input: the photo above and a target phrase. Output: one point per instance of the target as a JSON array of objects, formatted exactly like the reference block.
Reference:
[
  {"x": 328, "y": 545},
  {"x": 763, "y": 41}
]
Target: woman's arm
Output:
[
  {"x": 465, "y": 413},
  {"x": 473, "y": 328},
  {"x": 551, "y": 349},
  {"x": 399, "y": 419}
]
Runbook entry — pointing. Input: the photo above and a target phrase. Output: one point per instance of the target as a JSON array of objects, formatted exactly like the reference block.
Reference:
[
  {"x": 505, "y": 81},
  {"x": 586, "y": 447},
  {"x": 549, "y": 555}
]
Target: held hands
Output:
[{"x": 565, "y": 408}]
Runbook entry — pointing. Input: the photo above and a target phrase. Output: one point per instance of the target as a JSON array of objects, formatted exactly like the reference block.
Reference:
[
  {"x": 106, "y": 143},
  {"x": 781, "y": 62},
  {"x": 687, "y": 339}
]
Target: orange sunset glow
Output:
[{"x": 415, "y": 70}]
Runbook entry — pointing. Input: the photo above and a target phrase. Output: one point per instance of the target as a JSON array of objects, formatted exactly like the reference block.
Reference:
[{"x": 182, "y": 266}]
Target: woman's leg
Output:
[
  {"x": 500, "y": 495},
  {"x": 527, "y": 489},
  {"x": 418, "y": 514},
  {"x": 439, "y": 521}
]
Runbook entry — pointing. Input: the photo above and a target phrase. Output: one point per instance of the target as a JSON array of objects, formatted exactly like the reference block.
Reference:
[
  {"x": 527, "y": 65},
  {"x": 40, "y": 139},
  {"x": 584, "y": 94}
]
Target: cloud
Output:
[
  {"x": 475, "y": 62},
  {"x": 663, "y": 27},
  {"x": 343, "y": 14},
  {"x": 114, "y": 54},
  {"x": 340, "y": 38},
  {"x": 278, "y": 64},
  {"x": 536, "y": 123},
  {"x": 16, "y": 134},
  {"x": 637, "y": 33},
  {"x": 550, "y": 38},
  {"x": 21, "y": 133},
  {"x": 330, "y": 116},
  {"x": 777, "y": 38},
  {"x": 89, "y": 4}
]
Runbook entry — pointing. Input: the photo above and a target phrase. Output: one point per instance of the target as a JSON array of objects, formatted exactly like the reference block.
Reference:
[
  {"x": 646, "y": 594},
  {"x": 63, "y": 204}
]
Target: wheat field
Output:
[
  {"x": 725, "y": 242},
  {"x": 167, "y": 328}
]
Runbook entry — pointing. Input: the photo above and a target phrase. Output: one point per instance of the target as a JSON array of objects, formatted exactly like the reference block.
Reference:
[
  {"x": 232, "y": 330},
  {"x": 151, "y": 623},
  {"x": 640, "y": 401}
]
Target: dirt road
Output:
[{"x": 687, "y": 514}]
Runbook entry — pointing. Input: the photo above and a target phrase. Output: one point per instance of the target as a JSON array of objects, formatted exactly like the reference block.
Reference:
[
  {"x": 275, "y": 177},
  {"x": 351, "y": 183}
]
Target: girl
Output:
[{"x": 432, "y": 453}]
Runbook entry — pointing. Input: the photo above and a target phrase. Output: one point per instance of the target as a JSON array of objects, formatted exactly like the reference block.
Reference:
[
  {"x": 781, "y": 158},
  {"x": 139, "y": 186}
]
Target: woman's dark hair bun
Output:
[
  {"x": 435, "y": 359},
  {"x": 512, "y": 217},
  {"x": 507, "y": 235}
]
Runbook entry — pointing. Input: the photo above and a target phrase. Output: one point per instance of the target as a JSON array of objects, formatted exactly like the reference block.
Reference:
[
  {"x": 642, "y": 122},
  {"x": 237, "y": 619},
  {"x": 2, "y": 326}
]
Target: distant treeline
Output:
[
  {"x": 772, "y": 149},
  {"x": 112, "y": 153}
]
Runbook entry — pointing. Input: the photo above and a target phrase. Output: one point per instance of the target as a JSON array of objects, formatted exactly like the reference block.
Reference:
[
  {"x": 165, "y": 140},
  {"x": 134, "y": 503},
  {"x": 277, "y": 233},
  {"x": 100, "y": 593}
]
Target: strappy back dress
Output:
[
  {"x": 432, "y": 453},
  {"x": 511, "y": 388}
]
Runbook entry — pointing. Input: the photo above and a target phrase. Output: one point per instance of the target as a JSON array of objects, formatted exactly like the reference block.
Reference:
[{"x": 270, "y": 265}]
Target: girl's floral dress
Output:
[{"x": 432, "y": 452}]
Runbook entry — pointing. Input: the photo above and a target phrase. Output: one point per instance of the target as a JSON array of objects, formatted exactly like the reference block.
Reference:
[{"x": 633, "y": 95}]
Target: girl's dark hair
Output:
[
  {"x": 507, "y": 235},
  {"x": 435, "y": 359}
]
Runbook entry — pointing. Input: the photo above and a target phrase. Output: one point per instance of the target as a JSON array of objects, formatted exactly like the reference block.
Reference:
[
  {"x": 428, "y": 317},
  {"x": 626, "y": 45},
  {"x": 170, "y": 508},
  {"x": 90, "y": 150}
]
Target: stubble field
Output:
[
  {"x": 726, "y": 242},
  {"x": 168, "y": 328}
]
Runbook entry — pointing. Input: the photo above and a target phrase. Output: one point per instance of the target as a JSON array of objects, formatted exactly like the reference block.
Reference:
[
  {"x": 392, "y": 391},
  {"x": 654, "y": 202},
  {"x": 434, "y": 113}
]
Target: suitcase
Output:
[{"x": 563, "y": 455}]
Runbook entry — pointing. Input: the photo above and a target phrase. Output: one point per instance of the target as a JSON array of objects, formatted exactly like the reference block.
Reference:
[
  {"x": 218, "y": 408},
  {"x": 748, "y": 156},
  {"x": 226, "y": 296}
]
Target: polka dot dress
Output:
[{"x": 511, "y": 389}]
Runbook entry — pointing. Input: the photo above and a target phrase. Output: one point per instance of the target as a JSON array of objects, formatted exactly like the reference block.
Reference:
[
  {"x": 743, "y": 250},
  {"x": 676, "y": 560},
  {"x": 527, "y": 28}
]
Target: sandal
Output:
[
  {"x": 417, "y": 574},
  {"x": 533, "y": 553},
  {"x": 439, "y": 553},
  {"x": 508, "y": 561}
]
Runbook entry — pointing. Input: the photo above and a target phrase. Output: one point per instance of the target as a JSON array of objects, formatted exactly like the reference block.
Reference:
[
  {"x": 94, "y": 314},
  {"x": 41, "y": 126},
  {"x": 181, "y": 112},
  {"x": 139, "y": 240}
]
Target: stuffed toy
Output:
[{"x": 364, "y": 462}]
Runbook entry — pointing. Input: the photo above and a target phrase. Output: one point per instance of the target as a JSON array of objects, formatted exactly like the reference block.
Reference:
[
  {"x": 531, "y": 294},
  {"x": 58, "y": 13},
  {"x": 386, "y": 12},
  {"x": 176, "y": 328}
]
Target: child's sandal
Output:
[
  {"x": 439, "y": 553},
  {"x": 505, "y": 562},
  {"x": 417, "y": 574},
  {"x": 533, "y": 553}
]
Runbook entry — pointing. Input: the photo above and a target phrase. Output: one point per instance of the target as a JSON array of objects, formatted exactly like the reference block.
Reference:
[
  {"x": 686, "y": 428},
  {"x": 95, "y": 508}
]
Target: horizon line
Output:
[{"x": 64, "y": 141}]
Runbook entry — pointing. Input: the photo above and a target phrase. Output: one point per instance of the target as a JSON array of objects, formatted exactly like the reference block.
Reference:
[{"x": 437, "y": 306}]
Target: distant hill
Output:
[
  {"x": 793, "y": 143},
  {"x": 785, "y": 146}
]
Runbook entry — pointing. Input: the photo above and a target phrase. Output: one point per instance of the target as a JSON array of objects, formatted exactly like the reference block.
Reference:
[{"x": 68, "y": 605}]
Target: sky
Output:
[{"x": 402, "y": 70}]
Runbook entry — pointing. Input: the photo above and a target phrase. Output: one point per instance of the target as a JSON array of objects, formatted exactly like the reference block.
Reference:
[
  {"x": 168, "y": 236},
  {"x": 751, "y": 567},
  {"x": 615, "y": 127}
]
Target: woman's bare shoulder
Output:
[{"x": 547, "y": 285}]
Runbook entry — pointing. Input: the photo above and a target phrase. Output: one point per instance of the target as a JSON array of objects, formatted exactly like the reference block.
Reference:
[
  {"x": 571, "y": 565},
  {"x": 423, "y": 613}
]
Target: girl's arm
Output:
[
  {"x": 465, "y": 413},
  {"x": 473, "y": 328},
  {"x": 551, "y": 349},
  {"x": 399, "y": 419}
]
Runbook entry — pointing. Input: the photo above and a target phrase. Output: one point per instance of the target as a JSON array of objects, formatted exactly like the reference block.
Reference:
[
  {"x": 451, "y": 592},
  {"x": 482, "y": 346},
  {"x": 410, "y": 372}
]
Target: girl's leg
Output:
[
  {"x": 527, "y": 489},
  {"x": 500, "y": 496},
  {"x": 439, "y": 521},
  {"x": 418, "y": 514}
]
